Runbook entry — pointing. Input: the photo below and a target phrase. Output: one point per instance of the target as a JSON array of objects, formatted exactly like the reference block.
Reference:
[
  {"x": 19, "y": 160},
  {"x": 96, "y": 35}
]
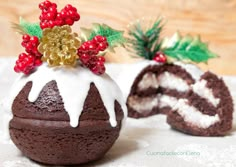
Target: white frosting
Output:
[
  {"x": 149, "y": 80},
  {"x": 73, "y": 85},
  {"x": 167, "y": 101},
  {"x": 141, "y": 104},
  {"x": 192, "y": 69},
  {"x": 201, "y": 89},
  {"x": 125, "y": 74},
  {"x": 193, "y": 116},
  {"x": 170, "y": 81}
]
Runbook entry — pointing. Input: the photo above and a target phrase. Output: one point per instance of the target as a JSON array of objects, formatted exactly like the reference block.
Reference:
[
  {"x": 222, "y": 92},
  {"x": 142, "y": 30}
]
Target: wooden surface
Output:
[{"x": 214, "y": 20}]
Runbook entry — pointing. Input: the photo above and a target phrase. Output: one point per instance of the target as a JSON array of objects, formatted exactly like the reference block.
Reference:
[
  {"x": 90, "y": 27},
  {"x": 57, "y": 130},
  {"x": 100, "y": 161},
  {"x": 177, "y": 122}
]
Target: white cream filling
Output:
[
  {"x": 167, "y": 101},
  {"x": 149, "y": 80},
  {"x": 193, "y": 116},
  {"x": 201, "y": 89},
  {"x": 73, "y": 85},
  {"x": 171, "y": 81},
  {"x": 165, "y": 80},
  {"x": 141, "y": 104}
]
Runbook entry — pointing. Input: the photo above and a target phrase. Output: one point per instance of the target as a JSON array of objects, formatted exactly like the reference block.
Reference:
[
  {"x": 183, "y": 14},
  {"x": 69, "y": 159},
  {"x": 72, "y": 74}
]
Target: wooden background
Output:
[{"x": 214, "y": 20}]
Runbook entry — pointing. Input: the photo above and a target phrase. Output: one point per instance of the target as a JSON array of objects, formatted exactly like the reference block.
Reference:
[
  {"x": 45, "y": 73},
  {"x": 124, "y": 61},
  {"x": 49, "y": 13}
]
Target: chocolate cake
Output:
[
  {"x": 66, "y": 109},
  {"x": 195, "y": 102},
  {"x": 46, "y": 128},
  {"x": 169, "y": 82}
]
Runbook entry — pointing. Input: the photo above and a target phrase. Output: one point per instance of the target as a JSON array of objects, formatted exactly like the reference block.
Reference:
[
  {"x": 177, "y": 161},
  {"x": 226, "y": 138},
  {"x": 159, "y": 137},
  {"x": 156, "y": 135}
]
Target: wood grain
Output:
[{"x": 214, "y": 20}]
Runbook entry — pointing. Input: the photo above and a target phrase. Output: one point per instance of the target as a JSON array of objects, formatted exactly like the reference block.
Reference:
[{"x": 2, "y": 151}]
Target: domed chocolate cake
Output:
[
  {"x": 66, "y": 109},
  {"x": 46, "y": 113}
]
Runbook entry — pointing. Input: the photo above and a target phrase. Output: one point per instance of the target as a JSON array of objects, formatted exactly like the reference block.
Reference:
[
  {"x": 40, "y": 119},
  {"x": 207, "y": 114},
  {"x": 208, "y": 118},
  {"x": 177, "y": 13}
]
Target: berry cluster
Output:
[
  {"x": 50, "y": 17},
  {"x": 160, "y": 57},
  {"x": 88, "y": 54},
  {"x": 28, "y": 61}
]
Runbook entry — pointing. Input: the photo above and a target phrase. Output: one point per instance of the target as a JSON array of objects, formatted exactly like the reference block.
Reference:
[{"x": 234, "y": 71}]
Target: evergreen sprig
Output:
[{"x": 145, "y": 43}]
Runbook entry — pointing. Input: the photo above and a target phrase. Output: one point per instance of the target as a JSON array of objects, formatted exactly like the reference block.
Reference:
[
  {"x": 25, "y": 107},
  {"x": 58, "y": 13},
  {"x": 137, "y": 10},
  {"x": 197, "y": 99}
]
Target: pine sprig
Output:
[
  {"x": 187, "y": 48},
  {"x": 25, "y": 27},
  {"x": 145, "y": 43}
]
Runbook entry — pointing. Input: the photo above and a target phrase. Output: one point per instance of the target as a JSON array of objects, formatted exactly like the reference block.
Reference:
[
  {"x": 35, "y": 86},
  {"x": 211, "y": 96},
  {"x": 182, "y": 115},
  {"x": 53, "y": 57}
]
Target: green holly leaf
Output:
[
  {"x": 114, "y": 37},
  {"x": 187, "y": 48},
  {"x": 25, "y": 27}
]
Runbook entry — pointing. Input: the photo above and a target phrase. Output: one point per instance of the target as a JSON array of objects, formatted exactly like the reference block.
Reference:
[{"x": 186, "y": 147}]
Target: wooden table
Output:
[{"x": 215, "y": 20}]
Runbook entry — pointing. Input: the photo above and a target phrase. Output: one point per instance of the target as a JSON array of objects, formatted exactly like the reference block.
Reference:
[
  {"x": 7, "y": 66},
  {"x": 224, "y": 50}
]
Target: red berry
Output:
[
  {"x": 74, "y": 9},
  {"x": 50, "y": 16},
  {"x": 50, "y": 24},
  {"x": 34, "y": 40},
  {"x": 68, "y": 7},
  {"x": 102, "y": 46},
  {"x": 22, "y": 56},
  {"x": 63, "y": 14},
  {"x": 38, "y": 62},
  {"x": 29, "y": 45},
  {"x": 69, "y": 21},
  {"x": 84, "y": 58},
  {"x": 76, "y": 17},
  {"x": 54, "y": 5},
  {"x": 41, "y": 5},
  {"x": 98, "y": 69},
  {"x": 101, "y": 59},
  {"x": 26, "y": 37},
  {"x": 47, "y": 4},
  {"x": 93, "y": 60},
  {"x": 99, "y": 38},
  {"x": 160, "y": 57},
  {"x": 16, "y": 69},
  {"x": 43, "y": 25}
]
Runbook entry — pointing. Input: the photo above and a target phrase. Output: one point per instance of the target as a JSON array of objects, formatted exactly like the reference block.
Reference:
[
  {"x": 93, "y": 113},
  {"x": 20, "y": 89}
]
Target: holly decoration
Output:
[
  {"x": 25, "y": 27},
  {"x": 52, "y": 41},
  {"x": 187, "y": 48},
  {"x": 114, "y": 37},
  {"x": 149, "y": 45}
]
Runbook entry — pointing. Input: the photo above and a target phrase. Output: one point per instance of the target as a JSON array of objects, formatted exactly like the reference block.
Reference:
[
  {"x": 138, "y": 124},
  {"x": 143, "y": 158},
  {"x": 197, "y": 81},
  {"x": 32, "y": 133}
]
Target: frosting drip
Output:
[{"x": 73, "y": 85}]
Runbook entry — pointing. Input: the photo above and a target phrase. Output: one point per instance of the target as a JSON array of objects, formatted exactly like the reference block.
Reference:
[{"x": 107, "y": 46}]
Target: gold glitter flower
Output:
[{"x": 59, "y": 46}]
